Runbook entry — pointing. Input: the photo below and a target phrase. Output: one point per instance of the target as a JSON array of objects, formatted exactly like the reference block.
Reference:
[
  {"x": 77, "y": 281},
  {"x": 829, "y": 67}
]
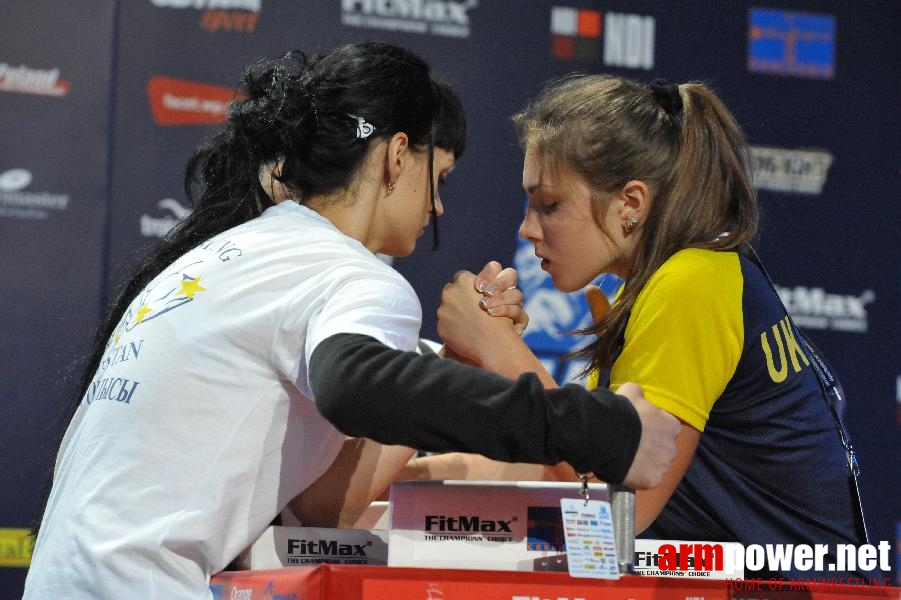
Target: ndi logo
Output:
[
  {"x": 628, "y": 39},
  {"x": 448, "y": 18},
  {"x": 575, "y": 33}
]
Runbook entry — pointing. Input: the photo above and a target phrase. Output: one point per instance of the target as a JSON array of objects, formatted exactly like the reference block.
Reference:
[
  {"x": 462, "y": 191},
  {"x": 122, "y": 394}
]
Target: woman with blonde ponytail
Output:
[{"x": 651, "y": 183}]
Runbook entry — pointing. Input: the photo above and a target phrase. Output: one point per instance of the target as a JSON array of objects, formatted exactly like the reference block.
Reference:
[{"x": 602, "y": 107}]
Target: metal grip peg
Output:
[{"x": 622, "y": 509}]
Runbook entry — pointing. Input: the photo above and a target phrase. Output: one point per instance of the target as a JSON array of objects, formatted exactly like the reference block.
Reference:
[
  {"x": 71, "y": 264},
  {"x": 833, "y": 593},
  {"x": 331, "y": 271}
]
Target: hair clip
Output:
[{"x": 364, "y": 129}]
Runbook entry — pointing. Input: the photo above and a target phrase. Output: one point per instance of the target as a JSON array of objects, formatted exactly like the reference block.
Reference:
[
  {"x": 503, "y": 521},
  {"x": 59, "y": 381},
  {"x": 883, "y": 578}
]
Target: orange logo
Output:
[
  {"x": 575, "y": 33},
  {"x": 181, "y": 102}
]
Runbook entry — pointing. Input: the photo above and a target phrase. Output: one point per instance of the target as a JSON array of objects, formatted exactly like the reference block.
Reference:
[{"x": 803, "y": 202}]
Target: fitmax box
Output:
[
  {"x": 281, "y": 546},
  {"x": 507, "y": 526},
  {"x": 292, "y": 544}
]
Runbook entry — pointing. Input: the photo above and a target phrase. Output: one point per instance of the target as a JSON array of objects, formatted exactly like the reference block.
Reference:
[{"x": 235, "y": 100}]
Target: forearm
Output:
[
  {"x": 512, "y": 358},
  {"x": 368, "y": 390},
  {"x": 459, "y": 465},
  {"x": 362, "y": 470}
]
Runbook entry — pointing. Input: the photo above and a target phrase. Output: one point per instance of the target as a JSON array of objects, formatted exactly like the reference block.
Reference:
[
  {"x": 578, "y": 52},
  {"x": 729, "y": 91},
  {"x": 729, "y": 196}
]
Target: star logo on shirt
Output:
[
  {"x": 142, "y": 312},
  {"x": 189, "y": 287}
]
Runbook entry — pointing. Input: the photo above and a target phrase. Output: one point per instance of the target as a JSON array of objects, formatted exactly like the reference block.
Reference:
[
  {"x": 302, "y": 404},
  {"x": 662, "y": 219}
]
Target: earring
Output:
[
  {"x": 390, "y": 188},
  {"x": 630, "y": 224}
]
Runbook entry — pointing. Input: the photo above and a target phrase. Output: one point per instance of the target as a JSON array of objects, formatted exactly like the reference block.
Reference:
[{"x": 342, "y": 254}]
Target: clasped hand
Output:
[{"x": 470, "y": 305}]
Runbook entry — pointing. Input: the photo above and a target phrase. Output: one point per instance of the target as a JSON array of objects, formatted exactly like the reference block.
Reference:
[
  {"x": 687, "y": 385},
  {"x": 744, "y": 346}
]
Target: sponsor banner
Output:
[
  {"x": 723, "y": 560},
  {"x": 281, "y": 546},
  {"x": 580, "y": 33},
  {"x": 571, "y": 589},
  {"x": 815, "y": 308},
  {"x": 29, "y": 80},
  {"x": 444, "y": 18},
  {"x": 386, "y": 583},
  {"x": 786, "y": 170},
  {"x": 180, "y": 102},
  {"x": 16, "y": 546},
  {"x": 575, "y": 33},
  {"x": 898, "y": 411},
  {"x": 688, "y": 560},
  {"x": 513, "y": 525},
  {"x": 170, "y": 213},
  {"x": 238, "y": 16},
  {"x": 17, "y": 202},
  {"x": 791, "y": 43},
  {"x": 272, "y": 584}
]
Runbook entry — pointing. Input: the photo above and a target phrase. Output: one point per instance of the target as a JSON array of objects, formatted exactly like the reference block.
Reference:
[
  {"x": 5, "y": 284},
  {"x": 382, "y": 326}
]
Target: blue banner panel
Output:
[{"x": 55, "y": 70}]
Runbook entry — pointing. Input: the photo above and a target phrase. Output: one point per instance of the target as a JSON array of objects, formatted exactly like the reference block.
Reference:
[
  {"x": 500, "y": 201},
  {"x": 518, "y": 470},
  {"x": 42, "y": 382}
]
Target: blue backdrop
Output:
[{"x": 101, "y": 103}]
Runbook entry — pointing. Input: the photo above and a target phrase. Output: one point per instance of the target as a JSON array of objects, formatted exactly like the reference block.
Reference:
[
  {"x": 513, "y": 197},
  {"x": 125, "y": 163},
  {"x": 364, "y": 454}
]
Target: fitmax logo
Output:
[
  {"x": 814, "y": 308},
  {"x": 466, "y": 524},
  {"x": 442, "y": 11},
  {"x": 448, "y": 18},
  {"x": 326, "y": 548}
]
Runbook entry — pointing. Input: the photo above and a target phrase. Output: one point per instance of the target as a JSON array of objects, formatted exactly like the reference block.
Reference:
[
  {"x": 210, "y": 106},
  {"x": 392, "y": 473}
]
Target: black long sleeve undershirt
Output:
[{"x": 366, "y": 389}]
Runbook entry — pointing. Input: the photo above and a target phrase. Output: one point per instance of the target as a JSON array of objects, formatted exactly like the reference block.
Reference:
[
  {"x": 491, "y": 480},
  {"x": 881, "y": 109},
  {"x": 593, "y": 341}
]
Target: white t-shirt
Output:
[{"x": 199, "y": 425}]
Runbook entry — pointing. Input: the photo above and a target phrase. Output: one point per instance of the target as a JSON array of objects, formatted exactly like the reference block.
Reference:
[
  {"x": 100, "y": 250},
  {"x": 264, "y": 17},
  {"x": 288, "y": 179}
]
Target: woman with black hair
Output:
[{"x": 263, "y": 329}]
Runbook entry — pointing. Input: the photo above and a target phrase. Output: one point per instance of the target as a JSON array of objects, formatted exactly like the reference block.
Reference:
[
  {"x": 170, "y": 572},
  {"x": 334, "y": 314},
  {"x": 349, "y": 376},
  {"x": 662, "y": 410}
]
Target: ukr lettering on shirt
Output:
[{"x": 783, "y": 337}]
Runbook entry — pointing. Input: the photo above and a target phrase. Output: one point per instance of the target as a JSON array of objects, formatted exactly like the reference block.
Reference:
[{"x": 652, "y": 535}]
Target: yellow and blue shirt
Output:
[{"x": 710, "y": 342}]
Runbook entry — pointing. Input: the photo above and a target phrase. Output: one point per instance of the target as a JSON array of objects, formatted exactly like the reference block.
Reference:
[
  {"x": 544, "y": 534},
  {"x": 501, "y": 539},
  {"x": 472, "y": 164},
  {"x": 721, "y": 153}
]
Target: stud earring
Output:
[
  {"x": 390, "y": 188},
  {"x": 630, "y": 224}
]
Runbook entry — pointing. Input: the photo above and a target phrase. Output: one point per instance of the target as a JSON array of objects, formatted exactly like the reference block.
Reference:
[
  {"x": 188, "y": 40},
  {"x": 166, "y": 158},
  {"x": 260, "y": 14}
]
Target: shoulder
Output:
[
  {"x": 313, "y": 245},
  {"x": 697, "y": 273},
  {"x": 699, "y": 261}
]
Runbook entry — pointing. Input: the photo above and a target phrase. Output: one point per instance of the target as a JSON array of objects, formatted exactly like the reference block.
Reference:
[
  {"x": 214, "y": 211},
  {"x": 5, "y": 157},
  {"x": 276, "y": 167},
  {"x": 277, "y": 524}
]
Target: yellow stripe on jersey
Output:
[{"x": 685, "y": 334}]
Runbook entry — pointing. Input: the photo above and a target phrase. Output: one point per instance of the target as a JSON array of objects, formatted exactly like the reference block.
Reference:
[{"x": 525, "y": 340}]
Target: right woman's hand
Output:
[{"x": 501, "y": 297}]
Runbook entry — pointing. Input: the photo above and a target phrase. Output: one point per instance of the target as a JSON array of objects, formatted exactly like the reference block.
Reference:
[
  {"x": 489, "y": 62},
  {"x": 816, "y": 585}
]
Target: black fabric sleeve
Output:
[{"x": 366, "y": 389}]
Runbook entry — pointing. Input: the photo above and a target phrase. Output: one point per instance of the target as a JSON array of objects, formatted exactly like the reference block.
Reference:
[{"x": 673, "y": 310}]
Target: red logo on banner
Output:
[
  {"x": 229, "y": 20},
  {"x": 575, "y": 33},
  {"x": 180, "y": 102}
]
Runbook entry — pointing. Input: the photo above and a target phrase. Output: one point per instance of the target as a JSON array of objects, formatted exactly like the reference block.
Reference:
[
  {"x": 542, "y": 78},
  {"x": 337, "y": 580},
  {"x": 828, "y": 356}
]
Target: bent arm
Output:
[
  {"x": 650, "y": 502},
  {"x": 459, "y": 465},
  {"x": 366, "y": 389},
  {"x": 362, "y": 470}
]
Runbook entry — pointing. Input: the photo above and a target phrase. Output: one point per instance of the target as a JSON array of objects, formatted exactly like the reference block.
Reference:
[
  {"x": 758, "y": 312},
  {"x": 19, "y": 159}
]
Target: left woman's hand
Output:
[{"x": 501, "y": 297}]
